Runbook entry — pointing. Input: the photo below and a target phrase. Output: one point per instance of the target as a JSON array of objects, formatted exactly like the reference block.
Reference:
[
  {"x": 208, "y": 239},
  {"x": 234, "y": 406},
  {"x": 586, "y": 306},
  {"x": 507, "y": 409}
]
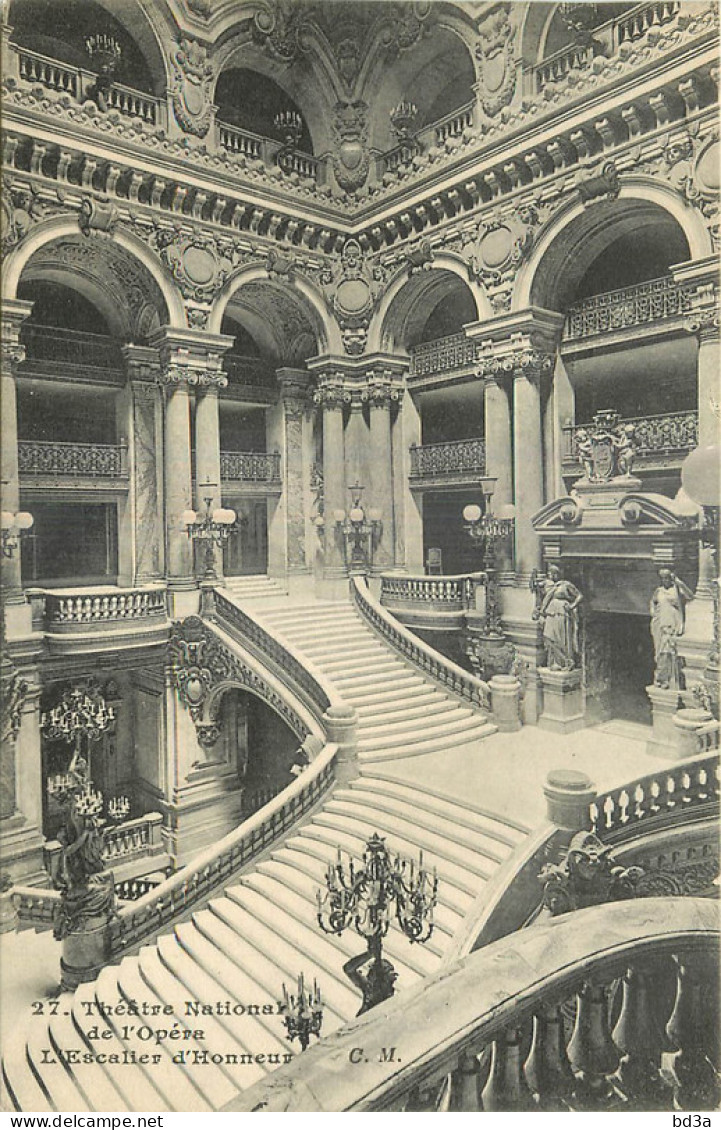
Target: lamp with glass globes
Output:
[
  {"x": 210, "y": 529},
  {"x": 14, "y": 527},
  {"x": 489, "y": 529},
  {"x": 360, "y": 530}
]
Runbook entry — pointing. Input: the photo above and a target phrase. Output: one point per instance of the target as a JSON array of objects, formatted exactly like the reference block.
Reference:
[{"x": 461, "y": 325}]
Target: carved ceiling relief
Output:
[
  {"x": 352, "y": 289},
  {"x": 692, "y": 165},
  {"x": 496, "y": 65},
  {"x": 496, "y": 252},
  {"x": 191, "y": 89}
]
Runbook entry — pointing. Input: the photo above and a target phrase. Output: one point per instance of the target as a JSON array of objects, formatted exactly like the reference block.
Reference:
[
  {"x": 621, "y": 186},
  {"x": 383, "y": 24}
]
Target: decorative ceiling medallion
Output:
[{"x": 351, "y": 290}]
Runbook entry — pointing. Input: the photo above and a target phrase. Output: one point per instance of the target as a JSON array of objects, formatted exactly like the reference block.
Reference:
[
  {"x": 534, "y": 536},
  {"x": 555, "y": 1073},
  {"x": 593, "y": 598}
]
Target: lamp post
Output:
[
  {"x": 489, "y": 529},
  {"x": 303, "y": 1012},
  {"x": 701, "y": 480},
  {"x": 14, "y": 527},
  {"x": 211, "y": 529},
  {"x": 366, "y": 897},
  {"x": 360, "y": 530}
]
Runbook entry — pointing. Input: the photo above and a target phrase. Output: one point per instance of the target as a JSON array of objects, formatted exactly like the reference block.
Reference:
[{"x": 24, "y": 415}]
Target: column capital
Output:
[
  {"x": 294, "y": 390},
  {"x": 190, "y": 357},
  {"x": 332, "y": 392},
  {"x": 142, "y": 363},
  {"x": 14, "y": 314},
  {"x": 704, "y": 322},
  {"x": 380, "y": 390}
]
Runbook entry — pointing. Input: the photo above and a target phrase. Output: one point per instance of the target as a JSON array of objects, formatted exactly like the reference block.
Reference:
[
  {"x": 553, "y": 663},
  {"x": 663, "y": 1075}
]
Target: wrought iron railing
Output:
[
  {"x": 456, "y": 351},
  {"x": 250, "y": 466},
  {"x": 548, "y": 1018},
  {"x": 72, "y": 347},
  {"x": 82, "y": 460},
  {"x": 106, "y": 606},
  {"x": 455, "y": 457},
  {"x": 450, "y": 593},
  {"x": 688, "y": 789},
  {"x": 631, "y": 306},
  {"x": 667, "y": 434},
  {"x": 77, "y": 82},
  {"x": 248, "y": 370},
  {"x": 411, "y": 647}
]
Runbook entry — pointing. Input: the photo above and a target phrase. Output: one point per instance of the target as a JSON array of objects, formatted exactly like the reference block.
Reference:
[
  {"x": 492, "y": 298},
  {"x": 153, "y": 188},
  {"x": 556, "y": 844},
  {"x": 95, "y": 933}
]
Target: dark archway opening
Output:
[{"x": 250, "y": 101}]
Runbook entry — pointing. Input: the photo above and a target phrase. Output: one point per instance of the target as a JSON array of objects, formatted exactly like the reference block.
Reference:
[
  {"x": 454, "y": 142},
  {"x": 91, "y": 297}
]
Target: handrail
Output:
[
  {"x": 217, "y": 863},
  {"x": 478, "y": 1000},
  {"x": 61, "y": 457},
  {"x": 690, "y": 788},
  {"x": 276, "y": 652},
  {"x": 411, "y": 647}
]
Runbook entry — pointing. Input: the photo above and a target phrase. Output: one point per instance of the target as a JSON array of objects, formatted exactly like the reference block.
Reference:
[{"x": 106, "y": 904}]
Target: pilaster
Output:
[
  {"x": 295, "y": 404},
  {"x": 14, "y": 313}
]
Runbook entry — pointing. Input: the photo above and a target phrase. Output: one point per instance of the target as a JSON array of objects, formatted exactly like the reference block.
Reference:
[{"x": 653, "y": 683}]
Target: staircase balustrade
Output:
[
  {"x": 411, "y": 647},
  {"x": 454, "y": 457},
  {"x": 638, "y": 305},
  {"x": 688, "y": 790},
  {"x": 91, "y": 460},
  {"x": 215, "y": 866},
  {"x": 133, "y": 839},
  {"x": 35, "y": 906},
  {"x": 669, "y": 433},
  {"x": 527, "y": 1023},
  {"x": 449, "y": 593},
  {"x": 78, "y": 610},
  {"x": 250, "y": 466}
]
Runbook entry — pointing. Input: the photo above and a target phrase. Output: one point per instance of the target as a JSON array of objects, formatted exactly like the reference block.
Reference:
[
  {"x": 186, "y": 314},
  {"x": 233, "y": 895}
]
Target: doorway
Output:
[
  {"x": 246, "y": 552},
  {"x": 618, "y": 666}
]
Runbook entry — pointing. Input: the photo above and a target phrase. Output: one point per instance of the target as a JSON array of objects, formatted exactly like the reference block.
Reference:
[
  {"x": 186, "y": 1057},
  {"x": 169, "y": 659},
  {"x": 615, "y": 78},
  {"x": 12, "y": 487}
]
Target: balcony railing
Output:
[
  {"x": 250, "y": 466},
  {"x": 452, "y": 593},
  {"x": 442, "y": 355},
  {"x": 80, "y": 460},
  {"x": 457, "y": 457},
  {"x": 247, "y": 370},
  {"x": 257, "y": 148},
  {"x": 453, "y": 124},
  {"x": 637, "y": 305},
  {"x": 81, "y": 609},
  {"x": 42, "y": 71},
  {"x": 672, "y": 433},
  {"x": 72, "y": 347},
  {"x": 608, "y": 37}
]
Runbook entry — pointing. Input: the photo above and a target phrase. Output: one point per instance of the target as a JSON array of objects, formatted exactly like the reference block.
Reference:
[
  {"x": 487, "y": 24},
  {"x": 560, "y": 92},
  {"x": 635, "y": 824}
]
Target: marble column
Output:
[
  {"x": 145, "y": 447},
  {"x": 332, "y": 396},
  {"x": 708, "y": 378},
  {"x": 14, "y": 314},
  {"x": 207, "y": 459},
  {"x": 294, "y": 401},
  {"x": 528, "y": 459},
  {"x": 177, "y": 477},
  {"x": 499, "y": 455},
  {"x": 379, "y": 394}
]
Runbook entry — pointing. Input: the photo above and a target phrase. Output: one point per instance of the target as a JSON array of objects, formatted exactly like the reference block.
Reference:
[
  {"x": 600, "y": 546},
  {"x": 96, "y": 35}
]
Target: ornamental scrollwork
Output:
[
  {"x": 97, "y": 215},
  {"x": 191, "y": 91},
  {"x": 199, "y": 264},
  {"x": 587, "y": 876},
  {"x": 196, "y": 662},
  {"x": 13, "y": 693},
  {"x": 332, "y": 393},
  {"x": 598, "y": 182},
  {"x": 692, "y": 169},
  {"x": 497, "y": 69},
  {"x": 351, "y": 288},
  {"x": 351, "y": 160},
  {"x": 501, "y": 245},
  {"x": 380, "y": 391},
  {"x": 21, "y": 208}
]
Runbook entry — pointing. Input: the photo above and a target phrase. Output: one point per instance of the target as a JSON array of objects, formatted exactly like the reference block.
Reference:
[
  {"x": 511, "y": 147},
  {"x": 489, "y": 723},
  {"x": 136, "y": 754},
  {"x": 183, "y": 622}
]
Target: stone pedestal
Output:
[
  {"x": 562, "y": 698},
  {"x": 505, "y": 699},
  {"x": 686, "y": 723},
  {"x": 664, "y": 704},
  {"x": 569, "y": 794},
  {"x": 84, "y": 954},
  {"x": 341, "y": 725}
]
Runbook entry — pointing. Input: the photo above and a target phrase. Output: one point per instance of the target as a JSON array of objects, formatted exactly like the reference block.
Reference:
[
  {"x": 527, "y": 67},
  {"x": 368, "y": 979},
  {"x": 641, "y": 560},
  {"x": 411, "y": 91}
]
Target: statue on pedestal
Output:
[
  {"x": 86, "y": 889},
  {"x": 558, "y": 616},
  {"x": 668, "y": 619}
]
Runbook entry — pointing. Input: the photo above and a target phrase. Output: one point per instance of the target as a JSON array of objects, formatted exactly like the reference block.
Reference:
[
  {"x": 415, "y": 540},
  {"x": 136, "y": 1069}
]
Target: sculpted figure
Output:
[
  {"x": 558, "y": 616},
  {"x": 668, "y": 619},
  {"x": 584, "y": 452}
]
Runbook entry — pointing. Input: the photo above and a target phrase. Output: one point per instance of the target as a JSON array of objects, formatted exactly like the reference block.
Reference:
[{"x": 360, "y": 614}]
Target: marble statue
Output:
[
  {"x": 668, "y": 618},
  {"x": 558, "y": 616}
]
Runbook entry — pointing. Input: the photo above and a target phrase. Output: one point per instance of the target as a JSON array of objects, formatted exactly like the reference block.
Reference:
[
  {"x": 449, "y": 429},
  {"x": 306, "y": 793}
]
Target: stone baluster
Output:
[
  {"x": 591, "y": 1050},
  {"x": 467, "y": 1084},
  {"x": 639, "y": 1036},
  {"x": 14, "y": 314},
  {"x": 331, "y": 395},
  {"x": 507, "y": 1088},
  {"x": 691, "y": 1034},
  {"x": 547, "y": 1069}
]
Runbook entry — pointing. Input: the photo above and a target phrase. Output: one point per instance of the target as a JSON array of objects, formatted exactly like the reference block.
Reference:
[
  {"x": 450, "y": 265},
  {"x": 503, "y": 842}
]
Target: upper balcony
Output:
[
  {"x": 59, "y": 465},
  {"x": 662, "y": 441},
  {"x": 74, "y": 355},
  {"x": 457, "y": 463},
  {"x": 646, "y": 310}
]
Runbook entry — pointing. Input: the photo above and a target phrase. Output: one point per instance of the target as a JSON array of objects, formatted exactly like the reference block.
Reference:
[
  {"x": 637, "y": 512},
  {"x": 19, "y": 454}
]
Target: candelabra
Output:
[
  {"x": 290, "y": 124},
  {"x": 14, "y": 527},
  {"x": 105, "y": 53},
  {"x": 489, "y": 529},
  {"x": 119, "y": 809},
  {"x": 211, "y": 529},
  {"x": 403, "y": 120},
  {"x": 303, "y": 1012},
  {"x": 81, "y": 713},
  {"x": 366, "y": 897},
  {"x": 360, "y": 531}
]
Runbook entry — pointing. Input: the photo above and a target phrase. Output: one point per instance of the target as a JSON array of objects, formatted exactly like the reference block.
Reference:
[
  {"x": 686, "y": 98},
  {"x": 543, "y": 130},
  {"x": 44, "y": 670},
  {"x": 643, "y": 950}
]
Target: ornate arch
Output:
[
  {"x": 56, "y": 228},
  {"x": 407, "y": 299},
  {"x": 568, "y": 236}
]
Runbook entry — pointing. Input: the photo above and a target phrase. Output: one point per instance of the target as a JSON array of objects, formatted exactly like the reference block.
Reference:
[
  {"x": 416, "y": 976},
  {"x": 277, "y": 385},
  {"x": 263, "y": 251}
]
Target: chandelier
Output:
[
  {"x": 290, "y": 125},
  {"x": 403, "y": 120},
  {"x": 303, "y": 1012}
]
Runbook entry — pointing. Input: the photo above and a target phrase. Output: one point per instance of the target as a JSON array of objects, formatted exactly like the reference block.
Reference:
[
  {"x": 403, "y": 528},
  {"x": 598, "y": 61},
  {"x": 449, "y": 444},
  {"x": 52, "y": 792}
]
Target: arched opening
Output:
[
  {"x": 59, "y": 31},
  {"x": 251, "y": 101},
  {"x": 73, "y": 415},
  {"x": 262, "y": 746},
  {"x": 271, "y": 328}
]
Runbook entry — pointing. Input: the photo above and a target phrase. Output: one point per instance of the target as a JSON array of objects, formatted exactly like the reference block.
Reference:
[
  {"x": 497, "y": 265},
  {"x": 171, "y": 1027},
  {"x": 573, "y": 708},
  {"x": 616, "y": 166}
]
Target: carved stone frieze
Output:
[
  {"x": 501, "y": 244},
  {"x": 496, "y": 66},
  {"x": 191, "y": 90},
  {"x": 13, "y": 693},
  {"x": 691, "y": 166},
  {"x": 199, "y": 264}
]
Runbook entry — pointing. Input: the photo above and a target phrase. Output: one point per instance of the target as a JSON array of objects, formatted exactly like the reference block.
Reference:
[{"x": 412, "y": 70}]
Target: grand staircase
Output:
[{"x": 235, "y": 953}]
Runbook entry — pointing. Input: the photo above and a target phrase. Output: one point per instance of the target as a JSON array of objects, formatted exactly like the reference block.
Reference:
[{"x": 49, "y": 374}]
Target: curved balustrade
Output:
[
  {"x": 411, "y": 647},
  {"x": 271, "y": 650},
  {"x": 450, "y": 593},
  {"x": 131, "y": 840},
  {"x": 689, "y": 790},
  {"x": 250, "y": 466},
  {"x": 81, "y": 608},
  {"x": 638, "y": 305},
  {"x": 91, "y": 460},
  {"x": 184, "y": 890},
  {"x": 523, "y": 1024}
]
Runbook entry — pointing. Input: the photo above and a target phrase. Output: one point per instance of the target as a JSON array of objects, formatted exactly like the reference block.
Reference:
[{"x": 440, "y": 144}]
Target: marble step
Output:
[
  {"x": 426, "y": 718},
  {"x": 473, "y": 734},
  {"x": 459, "y": 810}
]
